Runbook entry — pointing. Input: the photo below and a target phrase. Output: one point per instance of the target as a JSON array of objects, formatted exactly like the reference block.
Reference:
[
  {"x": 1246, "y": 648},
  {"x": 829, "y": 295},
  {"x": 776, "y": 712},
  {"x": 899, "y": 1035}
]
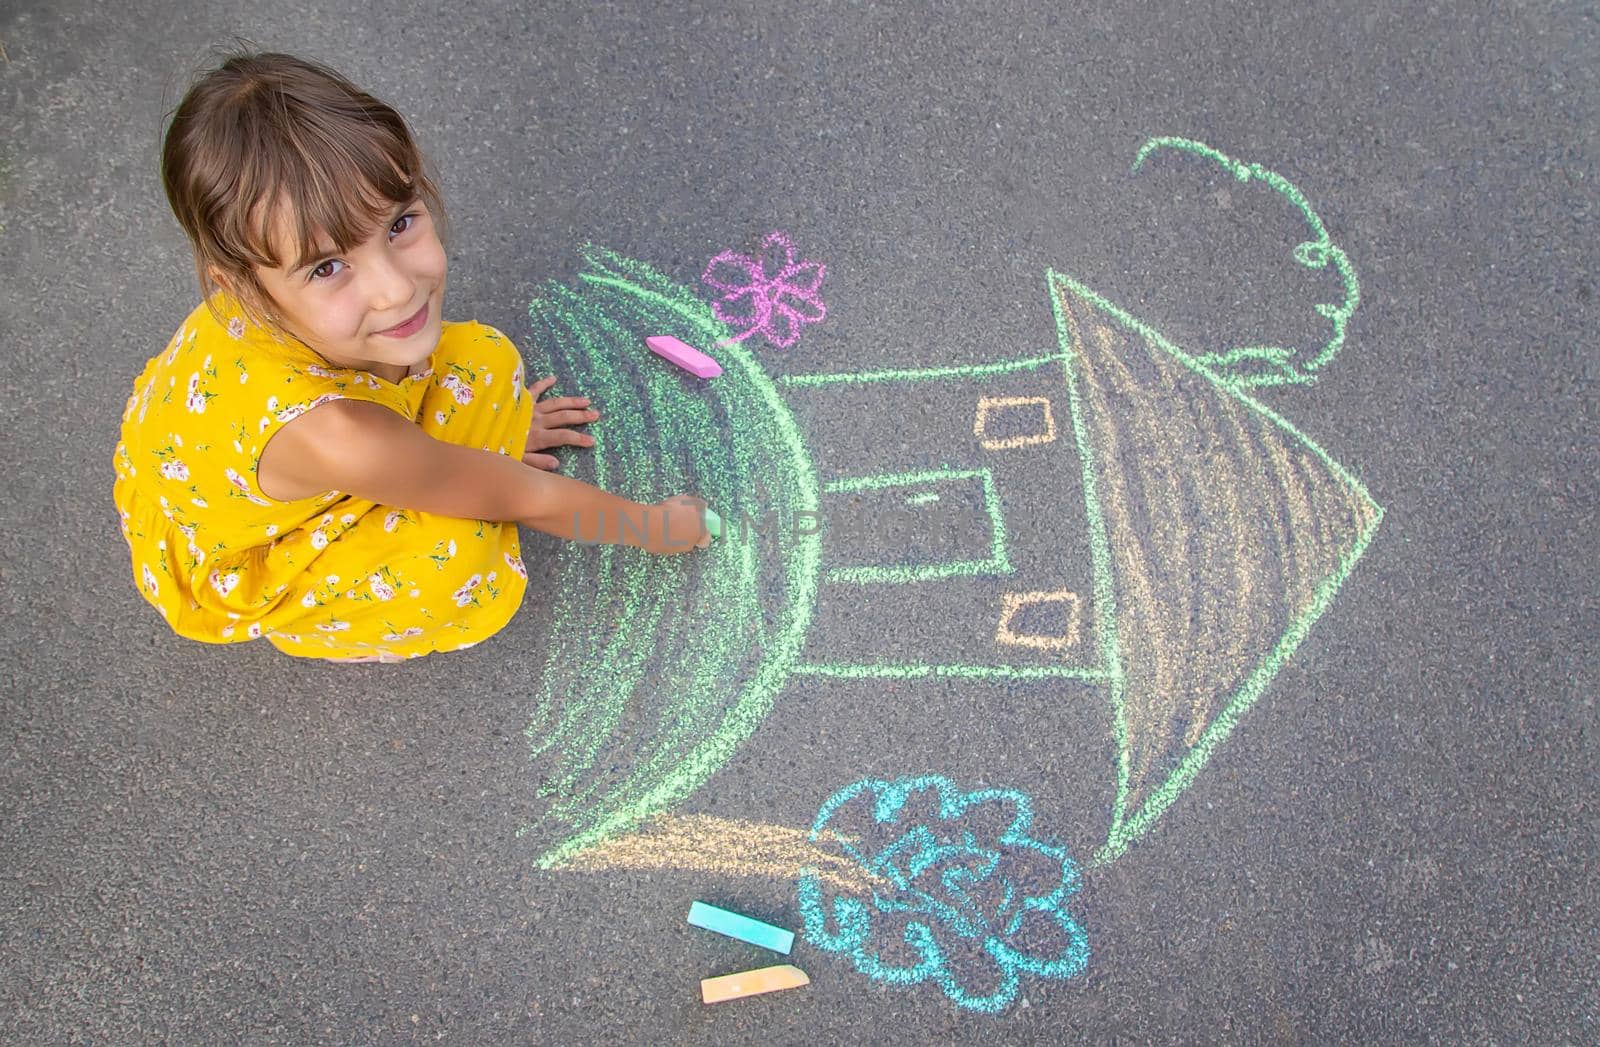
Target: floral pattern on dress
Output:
[{"x": 330, "y": 575}]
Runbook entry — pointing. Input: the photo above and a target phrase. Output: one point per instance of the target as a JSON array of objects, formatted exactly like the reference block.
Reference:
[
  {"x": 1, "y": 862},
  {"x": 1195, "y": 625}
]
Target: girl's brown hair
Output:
[{"x": 267, "y": 128}]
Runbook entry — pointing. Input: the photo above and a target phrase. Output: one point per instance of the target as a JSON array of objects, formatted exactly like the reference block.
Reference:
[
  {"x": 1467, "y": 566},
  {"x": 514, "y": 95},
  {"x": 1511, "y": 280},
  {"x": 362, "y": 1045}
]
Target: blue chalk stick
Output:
[{"x": 741, "y": 927}]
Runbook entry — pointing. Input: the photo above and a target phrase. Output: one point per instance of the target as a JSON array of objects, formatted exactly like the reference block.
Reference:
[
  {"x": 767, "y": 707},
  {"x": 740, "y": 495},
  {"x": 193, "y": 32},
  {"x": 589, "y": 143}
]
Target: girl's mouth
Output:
[{"x": 411, "y": 326}]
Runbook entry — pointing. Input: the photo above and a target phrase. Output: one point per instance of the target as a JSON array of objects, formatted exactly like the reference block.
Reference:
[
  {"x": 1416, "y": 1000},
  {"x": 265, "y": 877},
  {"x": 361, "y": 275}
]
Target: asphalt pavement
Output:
[{"x": 1397, "y": 842}]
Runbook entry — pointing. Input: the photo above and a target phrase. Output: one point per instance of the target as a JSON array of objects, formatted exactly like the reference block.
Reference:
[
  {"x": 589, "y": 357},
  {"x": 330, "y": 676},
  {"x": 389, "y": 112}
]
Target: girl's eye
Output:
[{"x": 410, "y": 220}]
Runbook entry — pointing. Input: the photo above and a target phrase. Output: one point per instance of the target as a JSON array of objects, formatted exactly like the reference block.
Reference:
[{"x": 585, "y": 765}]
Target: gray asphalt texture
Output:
[{"x": 1399, "y": 843}]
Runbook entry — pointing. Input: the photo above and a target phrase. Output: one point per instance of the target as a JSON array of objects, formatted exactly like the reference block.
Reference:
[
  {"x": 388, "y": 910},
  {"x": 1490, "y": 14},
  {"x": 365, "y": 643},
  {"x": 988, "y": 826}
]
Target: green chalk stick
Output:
[
  {"x": 713, "y": 523},
  {"x": 741, "y": 927}
]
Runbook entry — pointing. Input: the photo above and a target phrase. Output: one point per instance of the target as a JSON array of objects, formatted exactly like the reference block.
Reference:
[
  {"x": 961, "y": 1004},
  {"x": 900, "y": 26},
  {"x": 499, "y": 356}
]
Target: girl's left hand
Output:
[{"x": 549, "y": 419}]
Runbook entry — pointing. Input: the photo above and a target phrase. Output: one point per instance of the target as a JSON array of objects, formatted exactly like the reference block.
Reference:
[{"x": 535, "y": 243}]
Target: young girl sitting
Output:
[{"x": 318, "y": 457}]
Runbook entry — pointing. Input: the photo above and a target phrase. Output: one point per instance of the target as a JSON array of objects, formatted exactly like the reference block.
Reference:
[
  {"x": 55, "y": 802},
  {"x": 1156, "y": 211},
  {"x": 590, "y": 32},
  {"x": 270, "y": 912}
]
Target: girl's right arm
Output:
[{"x": 367, "y": 450}]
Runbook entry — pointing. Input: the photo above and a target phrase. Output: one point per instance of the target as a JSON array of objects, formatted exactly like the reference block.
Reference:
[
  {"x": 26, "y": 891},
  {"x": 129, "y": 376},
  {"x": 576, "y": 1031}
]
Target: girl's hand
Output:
[
  {"x": 549, "y": 418},
  {"x": 681, "y": 520}
]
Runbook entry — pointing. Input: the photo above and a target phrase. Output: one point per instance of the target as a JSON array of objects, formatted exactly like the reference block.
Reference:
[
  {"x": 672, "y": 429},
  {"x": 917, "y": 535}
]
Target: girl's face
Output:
[{"x": 375, "y": 307}]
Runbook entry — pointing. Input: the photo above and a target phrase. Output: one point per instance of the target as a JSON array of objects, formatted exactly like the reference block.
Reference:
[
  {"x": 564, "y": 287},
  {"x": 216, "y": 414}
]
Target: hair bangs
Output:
[{"x": 337, "y": 183}]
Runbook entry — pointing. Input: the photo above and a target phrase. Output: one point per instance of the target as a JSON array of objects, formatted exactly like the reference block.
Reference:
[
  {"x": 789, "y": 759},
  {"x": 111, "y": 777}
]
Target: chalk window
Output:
[{"x": 1005, "y": 422}]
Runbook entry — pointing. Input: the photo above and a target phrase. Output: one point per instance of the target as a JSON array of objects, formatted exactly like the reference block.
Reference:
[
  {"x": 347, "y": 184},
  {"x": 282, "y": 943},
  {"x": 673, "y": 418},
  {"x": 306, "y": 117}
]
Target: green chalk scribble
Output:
[
  {"x": 1258, "y": 365},
  {"x": 919, "y": 374},
  {"x": 917, "y": 671},
  {"x": 653, "y": 656}
]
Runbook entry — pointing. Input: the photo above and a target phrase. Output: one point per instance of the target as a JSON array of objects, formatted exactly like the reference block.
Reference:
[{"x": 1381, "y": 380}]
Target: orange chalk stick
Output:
[{"x": 752, "y": 983}]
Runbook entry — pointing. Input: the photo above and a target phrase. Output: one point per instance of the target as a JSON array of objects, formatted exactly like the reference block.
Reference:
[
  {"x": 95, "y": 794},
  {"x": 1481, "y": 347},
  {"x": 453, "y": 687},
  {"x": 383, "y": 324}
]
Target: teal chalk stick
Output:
[
  {"x": 713, "y": 523},
  {"x": 741, "y": 927}
]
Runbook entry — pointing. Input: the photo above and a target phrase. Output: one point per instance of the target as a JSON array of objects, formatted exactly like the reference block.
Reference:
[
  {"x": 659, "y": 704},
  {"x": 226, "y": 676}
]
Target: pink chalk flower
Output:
[{"x": 770, "y": 293}]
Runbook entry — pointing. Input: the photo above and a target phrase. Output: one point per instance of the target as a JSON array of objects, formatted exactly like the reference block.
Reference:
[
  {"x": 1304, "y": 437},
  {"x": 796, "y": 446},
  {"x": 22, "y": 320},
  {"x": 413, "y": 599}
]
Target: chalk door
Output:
[{"x": 961, "y": 548}]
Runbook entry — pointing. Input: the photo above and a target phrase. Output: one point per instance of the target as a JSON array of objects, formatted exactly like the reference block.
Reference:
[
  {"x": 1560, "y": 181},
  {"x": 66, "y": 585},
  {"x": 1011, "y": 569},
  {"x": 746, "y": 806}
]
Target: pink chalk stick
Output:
[{"x": 685, "y": 356}]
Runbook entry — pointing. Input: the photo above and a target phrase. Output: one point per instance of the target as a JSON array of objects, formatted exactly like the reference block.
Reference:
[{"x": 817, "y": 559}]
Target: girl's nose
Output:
[{"x": 389, "y": 288}]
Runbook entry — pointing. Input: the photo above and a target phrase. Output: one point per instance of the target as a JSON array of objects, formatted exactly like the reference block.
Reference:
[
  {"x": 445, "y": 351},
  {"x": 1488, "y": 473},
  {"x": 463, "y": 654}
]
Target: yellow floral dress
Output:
[{"x": 331, "y": 575}]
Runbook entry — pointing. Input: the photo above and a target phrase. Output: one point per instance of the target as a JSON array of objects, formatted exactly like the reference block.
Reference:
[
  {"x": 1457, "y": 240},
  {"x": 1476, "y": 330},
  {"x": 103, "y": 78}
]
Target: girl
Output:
[{"x": 318, "y": 457}]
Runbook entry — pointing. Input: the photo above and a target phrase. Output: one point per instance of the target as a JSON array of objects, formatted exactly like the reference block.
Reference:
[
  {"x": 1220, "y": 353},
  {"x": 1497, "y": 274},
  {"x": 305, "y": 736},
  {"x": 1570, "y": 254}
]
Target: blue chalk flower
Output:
[{"x": 958, "y": 887}]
